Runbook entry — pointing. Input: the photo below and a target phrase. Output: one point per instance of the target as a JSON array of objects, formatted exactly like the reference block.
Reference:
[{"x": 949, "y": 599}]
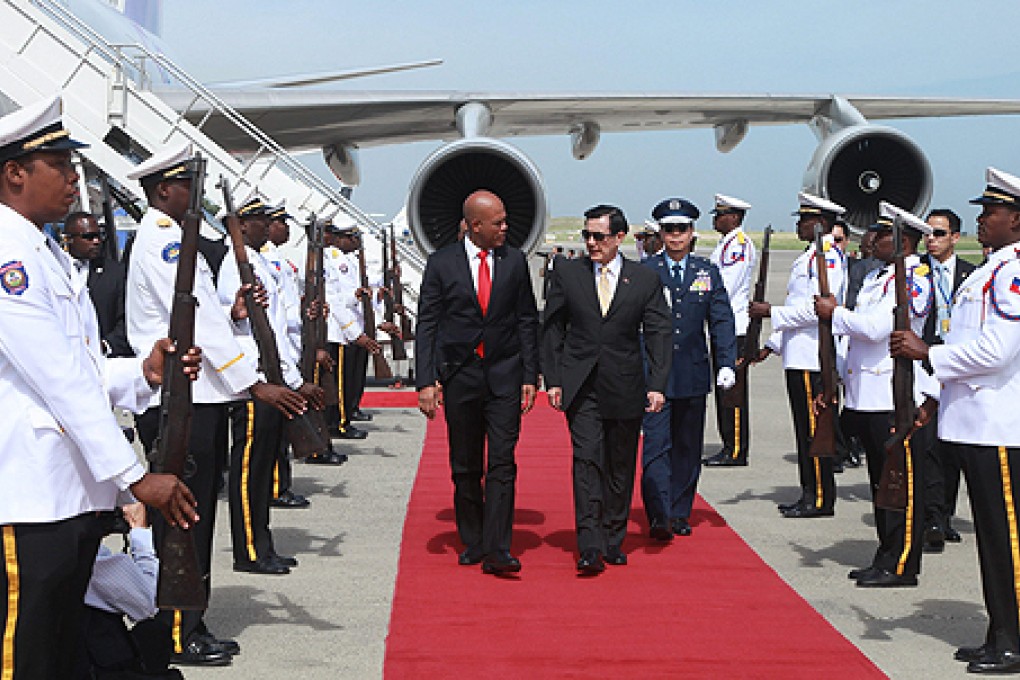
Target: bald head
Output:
[{"x": 486, "y": 219}]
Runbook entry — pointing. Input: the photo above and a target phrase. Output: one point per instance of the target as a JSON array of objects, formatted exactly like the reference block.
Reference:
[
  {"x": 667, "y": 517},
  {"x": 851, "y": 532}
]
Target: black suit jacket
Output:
[
  {"x": 106, "y": 282},
  {"x": 963, "y": 270},
  {"x": 577, "y": 339},
  {"x": 451, "y": 325}
]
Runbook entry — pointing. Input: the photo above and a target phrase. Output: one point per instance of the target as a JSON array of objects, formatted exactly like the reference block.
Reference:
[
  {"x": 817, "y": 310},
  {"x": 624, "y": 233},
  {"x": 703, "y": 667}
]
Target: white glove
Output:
[{"x": 726, "y": 378}]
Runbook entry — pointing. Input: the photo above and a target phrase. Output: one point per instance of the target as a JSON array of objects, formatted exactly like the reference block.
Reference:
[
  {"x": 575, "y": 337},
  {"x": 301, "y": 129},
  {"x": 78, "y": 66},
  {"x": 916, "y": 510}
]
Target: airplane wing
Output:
[{"x": 307, "y": 119}]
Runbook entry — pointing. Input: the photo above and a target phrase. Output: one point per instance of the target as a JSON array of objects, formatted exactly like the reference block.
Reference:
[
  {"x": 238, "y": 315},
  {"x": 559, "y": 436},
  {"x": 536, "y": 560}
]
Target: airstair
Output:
[{"x": 44, "y": 49}]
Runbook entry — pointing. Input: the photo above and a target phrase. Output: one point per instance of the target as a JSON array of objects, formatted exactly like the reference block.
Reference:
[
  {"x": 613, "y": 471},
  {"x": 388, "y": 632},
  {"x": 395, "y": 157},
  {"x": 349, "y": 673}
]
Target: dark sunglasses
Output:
[
  {"x": 597, "y": 236},
  {"x": 939, "y": 232},
  {"x": 838, "y": 239},
  {"x": 675, "y": 228},
  {"x": 89, "y": 235}
]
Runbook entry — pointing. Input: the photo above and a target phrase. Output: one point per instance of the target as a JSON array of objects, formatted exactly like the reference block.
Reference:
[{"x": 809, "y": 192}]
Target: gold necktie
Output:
[{"x": 605, "y": 292}]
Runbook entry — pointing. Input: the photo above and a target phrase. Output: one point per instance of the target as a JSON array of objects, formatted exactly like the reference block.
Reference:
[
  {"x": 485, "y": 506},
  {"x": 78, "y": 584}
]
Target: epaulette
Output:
[{"x": 741, "y": 238}]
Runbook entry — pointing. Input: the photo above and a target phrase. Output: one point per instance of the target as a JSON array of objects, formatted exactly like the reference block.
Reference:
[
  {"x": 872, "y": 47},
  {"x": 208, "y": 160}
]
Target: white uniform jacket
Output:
[
  {"x": 61, "y": 450},
  {"x": 230, "y": 281},
  {"x": 868, "y": 370},
  {"x": 342, "y": 325},
  {"x": 735, "y": 256},
  {"x": 289, "y": 279},
  {"x": 152, "y": 270},
  {"x": 979, "y": 366},
  {"x": 794, "y": 324}
]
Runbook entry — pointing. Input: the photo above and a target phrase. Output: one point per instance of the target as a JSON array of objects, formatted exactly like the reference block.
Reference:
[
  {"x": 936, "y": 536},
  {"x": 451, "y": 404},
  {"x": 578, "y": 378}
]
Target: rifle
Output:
[
  {"x": 736, "y": 396},
  {"x": 110, "y": 237},
  {"x": 381, "y": 369},
  {"x": 396, "y": 342},
  {"x": 892, "y": 486},
  {"x": 311, "y": 334},
  {"x": 180, "y": 585},
  {"x": 397, "y": 287},
  {"x": 823, "y": 440},
  {"x": 300, "y": 430}
]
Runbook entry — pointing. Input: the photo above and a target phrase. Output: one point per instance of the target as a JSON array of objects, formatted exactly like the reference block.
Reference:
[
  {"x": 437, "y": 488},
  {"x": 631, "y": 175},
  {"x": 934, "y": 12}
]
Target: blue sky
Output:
[{"x": 892, "y": 47}]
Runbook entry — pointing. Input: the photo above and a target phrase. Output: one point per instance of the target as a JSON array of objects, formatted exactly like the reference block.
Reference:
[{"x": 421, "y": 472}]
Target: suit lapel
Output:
[
  {"x": 623, "y": 287},
  {"x": 463, "y": 271}
]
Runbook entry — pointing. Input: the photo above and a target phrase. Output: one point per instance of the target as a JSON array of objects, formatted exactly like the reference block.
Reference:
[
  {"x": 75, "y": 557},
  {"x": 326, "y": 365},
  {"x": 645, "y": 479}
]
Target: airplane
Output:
[{"x": 856, "y": 163}]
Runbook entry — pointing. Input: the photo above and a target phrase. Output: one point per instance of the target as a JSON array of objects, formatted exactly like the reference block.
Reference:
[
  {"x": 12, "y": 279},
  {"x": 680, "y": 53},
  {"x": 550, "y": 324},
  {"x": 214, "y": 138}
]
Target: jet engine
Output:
[
  {"x": 451, "y": 173},
  {"x": 860, "y": 165}
]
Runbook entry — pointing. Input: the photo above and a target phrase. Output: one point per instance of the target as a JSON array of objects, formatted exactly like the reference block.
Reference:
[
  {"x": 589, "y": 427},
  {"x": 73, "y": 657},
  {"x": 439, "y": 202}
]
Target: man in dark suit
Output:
[
  {"x": 477, "y": 337},
  {"x": 675, "y": 436},
  {"x": 946, "y": 271},
  {"x": 595, "y": 313},
  {"x": 106, "y": 278}
]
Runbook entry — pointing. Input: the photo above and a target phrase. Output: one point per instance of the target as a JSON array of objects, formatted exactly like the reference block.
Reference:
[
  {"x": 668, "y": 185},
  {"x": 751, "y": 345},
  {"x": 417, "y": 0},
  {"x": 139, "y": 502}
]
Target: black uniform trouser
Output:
[
  {"x": 993, "y": 475},
  {"x": 333, "y": 383},
  {"x": 605, "y": 458},
  {"x": 46, "y": 570},
  {"x": 900, "y": 534},
  {"x": 942, "y": 478},
  {"x": 355, "y": 368},
  {"x": 482, "y": 429},
  {"x": 733, "y": 422},
  {"x": 203, "y": 472},
  {"x": 256, "y": 431},
  {"x": 817, "y": 478},
  {"x": 282, "y": 473}
]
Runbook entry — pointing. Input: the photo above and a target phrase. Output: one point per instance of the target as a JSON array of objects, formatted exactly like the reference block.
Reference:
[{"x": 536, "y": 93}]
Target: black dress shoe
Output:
[
  {"x": 351, "y": 432},
  {"x": 951, "y": 535},
  {"x": 263, "y": 565},
  {"x": 864, "y": 572},
  {"x": 680, "y": 526},
  {"x": 289, "y": 499},
  {"x": 882, "y": 578},
  {"x": 807, "y": 511},
  {"x": 327, "y": 458},
  {"x": 200, "y": 653},
  {"x": 996, "y": 662},
  {"x": 360, "y": 416},
  {"x": 783, "y": 507},
  {"x": 229, "y": 646},
  {"x": 285, "y": 560},
  {"x": 968, "y": 654},
  {"x": 934, "y": 539},
  {"x": 591, "y": 562},
  {"x": 720, "y": 460},
  {"x": 501, "y": 562},
  {"x": 615, "y": 556},
  {"x": 470, "y": 556},
  {"x": 659, "y": 530}
]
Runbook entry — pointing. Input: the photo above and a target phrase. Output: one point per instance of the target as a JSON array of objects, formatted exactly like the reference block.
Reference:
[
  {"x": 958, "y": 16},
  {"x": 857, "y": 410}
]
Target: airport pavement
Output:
[{"x": 329, "y": 618}]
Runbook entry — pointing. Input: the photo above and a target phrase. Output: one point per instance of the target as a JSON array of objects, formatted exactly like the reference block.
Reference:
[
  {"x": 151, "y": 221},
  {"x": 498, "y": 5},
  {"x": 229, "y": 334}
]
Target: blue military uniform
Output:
[{"x": 673, "y": 438}]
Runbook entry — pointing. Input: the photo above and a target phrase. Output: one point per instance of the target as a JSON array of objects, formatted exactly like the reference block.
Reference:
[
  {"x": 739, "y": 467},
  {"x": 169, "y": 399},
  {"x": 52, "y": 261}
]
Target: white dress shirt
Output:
[{"x": 126, "y": 583}]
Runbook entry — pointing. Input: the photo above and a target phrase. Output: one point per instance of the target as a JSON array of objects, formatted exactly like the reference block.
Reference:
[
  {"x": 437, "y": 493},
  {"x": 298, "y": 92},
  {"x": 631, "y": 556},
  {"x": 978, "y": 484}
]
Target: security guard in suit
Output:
[
  {"x": 736, "y": 258},
  {"x": 674, "y": 436},
  {"x": 63, "y": 461},
  {"x": 867, "y": 379},
  {"x": 978, "y": 368},
  {"x": 795, "y": 337}
]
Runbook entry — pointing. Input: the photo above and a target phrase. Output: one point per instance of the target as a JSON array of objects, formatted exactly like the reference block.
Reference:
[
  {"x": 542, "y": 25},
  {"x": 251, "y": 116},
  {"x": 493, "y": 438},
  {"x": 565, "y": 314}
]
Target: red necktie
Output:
[{"x": 484, "y": 289}]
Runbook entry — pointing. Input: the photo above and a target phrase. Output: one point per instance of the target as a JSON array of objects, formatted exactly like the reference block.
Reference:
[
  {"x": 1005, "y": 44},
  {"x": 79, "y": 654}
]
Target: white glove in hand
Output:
[{"x": 726, "y": 378}]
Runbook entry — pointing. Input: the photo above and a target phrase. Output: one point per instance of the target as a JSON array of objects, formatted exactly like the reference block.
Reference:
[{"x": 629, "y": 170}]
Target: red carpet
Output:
[
  {"x": 701, "y": 607},
  {"x": 387, "y": 398}
]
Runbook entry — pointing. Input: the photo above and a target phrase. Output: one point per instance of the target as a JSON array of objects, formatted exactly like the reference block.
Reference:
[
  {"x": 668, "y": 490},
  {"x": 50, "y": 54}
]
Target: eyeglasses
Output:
[
  {"x": 89, "y": 235},
  {"x": 838, "y": 239},
  {"x": 597, "y": 236},
  {"x": 939, "y": 233},
  {"x": 675, "y": 228}
]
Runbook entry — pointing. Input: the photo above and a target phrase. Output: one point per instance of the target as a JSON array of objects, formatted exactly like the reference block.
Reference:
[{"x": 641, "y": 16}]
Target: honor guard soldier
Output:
[
  {"x": 979, "y": 371},
  {"x": 795, "y": 337},
  {"x": 867, "y": 380},
  {"x": 735, "y": 257},
  {"x": 674, "y": 436},
  {"x": 64, "y": 460},
  {"x": 227, "y": 369}
]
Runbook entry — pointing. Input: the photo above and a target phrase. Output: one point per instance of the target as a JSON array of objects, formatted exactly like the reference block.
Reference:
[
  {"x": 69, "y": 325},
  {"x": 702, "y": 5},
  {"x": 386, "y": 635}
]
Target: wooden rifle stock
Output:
[
  {"x": 735, "y": 396},
  {"x": 304, "y": 437},
  {"x": 110, "y": 251},
  {"x": 310, "y": 333},
  {"x": 396, "y": 341},
  {"x": 406, "y": 332},
  {"x": 823, "y": 439},
  {"x": 892, "y": 486},
  {"x": 381, "y": 368},
  {"x": 181, "y": 584}
]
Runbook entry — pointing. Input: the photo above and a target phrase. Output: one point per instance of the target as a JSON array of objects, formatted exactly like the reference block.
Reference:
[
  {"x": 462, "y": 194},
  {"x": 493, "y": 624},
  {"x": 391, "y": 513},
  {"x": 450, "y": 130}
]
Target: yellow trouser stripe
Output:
[
  {"x": 13, "y": 593},
  {"x": 230, "y": 363},
  {"x": 340, "y": 385},
  {"x": 908, "y": 528},
  {"x": 249, "y": 436},
  {"x": 178, "y": 647},
  {"x": 1014, "y": 540},
  {"x": 276, "y": 480},
  {"x": 811, "y": 431},
  {"x": 736, "y": 433},
  {"x": 315, "y": 374}
]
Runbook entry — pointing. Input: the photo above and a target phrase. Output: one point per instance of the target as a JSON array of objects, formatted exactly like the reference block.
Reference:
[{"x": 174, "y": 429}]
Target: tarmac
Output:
[{"x": 329, "y": 617}]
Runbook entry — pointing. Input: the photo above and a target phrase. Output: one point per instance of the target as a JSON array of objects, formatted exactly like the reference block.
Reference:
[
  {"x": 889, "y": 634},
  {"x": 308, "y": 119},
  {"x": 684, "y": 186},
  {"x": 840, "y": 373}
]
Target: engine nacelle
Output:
[
  {"x": 452, "y": 172},
  {"x": 859, "y": 166}
]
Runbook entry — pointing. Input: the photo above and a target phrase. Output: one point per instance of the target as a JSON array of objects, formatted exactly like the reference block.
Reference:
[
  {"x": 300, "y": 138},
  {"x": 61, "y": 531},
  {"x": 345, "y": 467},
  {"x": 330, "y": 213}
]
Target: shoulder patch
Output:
[
  {"x": 164, "y": 222},
  {"x": 14, "y": 278},
  {"x": 171, "y": 252},
  {"x": 741, "y": 238},
  {"x": 922, "y": 270}
]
